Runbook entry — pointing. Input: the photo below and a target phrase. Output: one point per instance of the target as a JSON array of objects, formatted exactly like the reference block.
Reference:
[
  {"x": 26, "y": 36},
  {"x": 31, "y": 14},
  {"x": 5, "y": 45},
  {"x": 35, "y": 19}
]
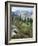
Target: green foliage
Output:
[
  {"x": 24, "y": 26},
  {"x": 31, "y": 20},
  {"x": 27, "y": 19}
]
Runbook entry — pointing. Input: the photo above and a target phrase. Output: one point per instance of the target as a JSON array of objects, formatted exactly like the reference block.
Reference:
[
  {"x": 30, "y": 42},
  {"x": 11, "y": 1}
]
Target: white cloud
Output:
[{"x": 21, "y": 8}]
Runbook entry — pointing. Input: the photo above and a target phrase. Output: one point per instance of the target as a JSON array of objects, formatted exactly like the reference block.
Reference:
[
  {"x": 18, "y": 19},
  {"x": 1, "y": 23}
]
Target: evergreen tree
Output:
[{"x": 31, "y": 21}]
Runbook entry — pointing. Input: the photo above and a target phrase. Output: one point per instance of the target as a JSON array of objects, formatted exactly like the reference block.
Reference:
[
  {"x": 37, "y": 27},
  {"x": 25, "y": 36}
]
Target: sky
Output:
[{"x": 21, "y": 8}]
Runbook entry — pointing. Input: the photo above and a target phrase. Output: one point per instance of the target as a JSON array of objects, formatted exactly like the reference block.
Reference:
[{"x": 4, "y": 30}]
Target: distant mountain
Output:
[
  {"x": 18, "y": 12},
  {"x": 26, "y": 12}
]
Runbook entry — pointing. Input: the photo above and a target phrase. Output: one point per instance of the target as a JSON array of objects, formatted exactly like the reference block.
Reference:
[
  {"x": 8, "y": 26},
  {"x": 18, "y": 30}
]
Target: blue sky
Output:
[{"x": 21, "y": 8}]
